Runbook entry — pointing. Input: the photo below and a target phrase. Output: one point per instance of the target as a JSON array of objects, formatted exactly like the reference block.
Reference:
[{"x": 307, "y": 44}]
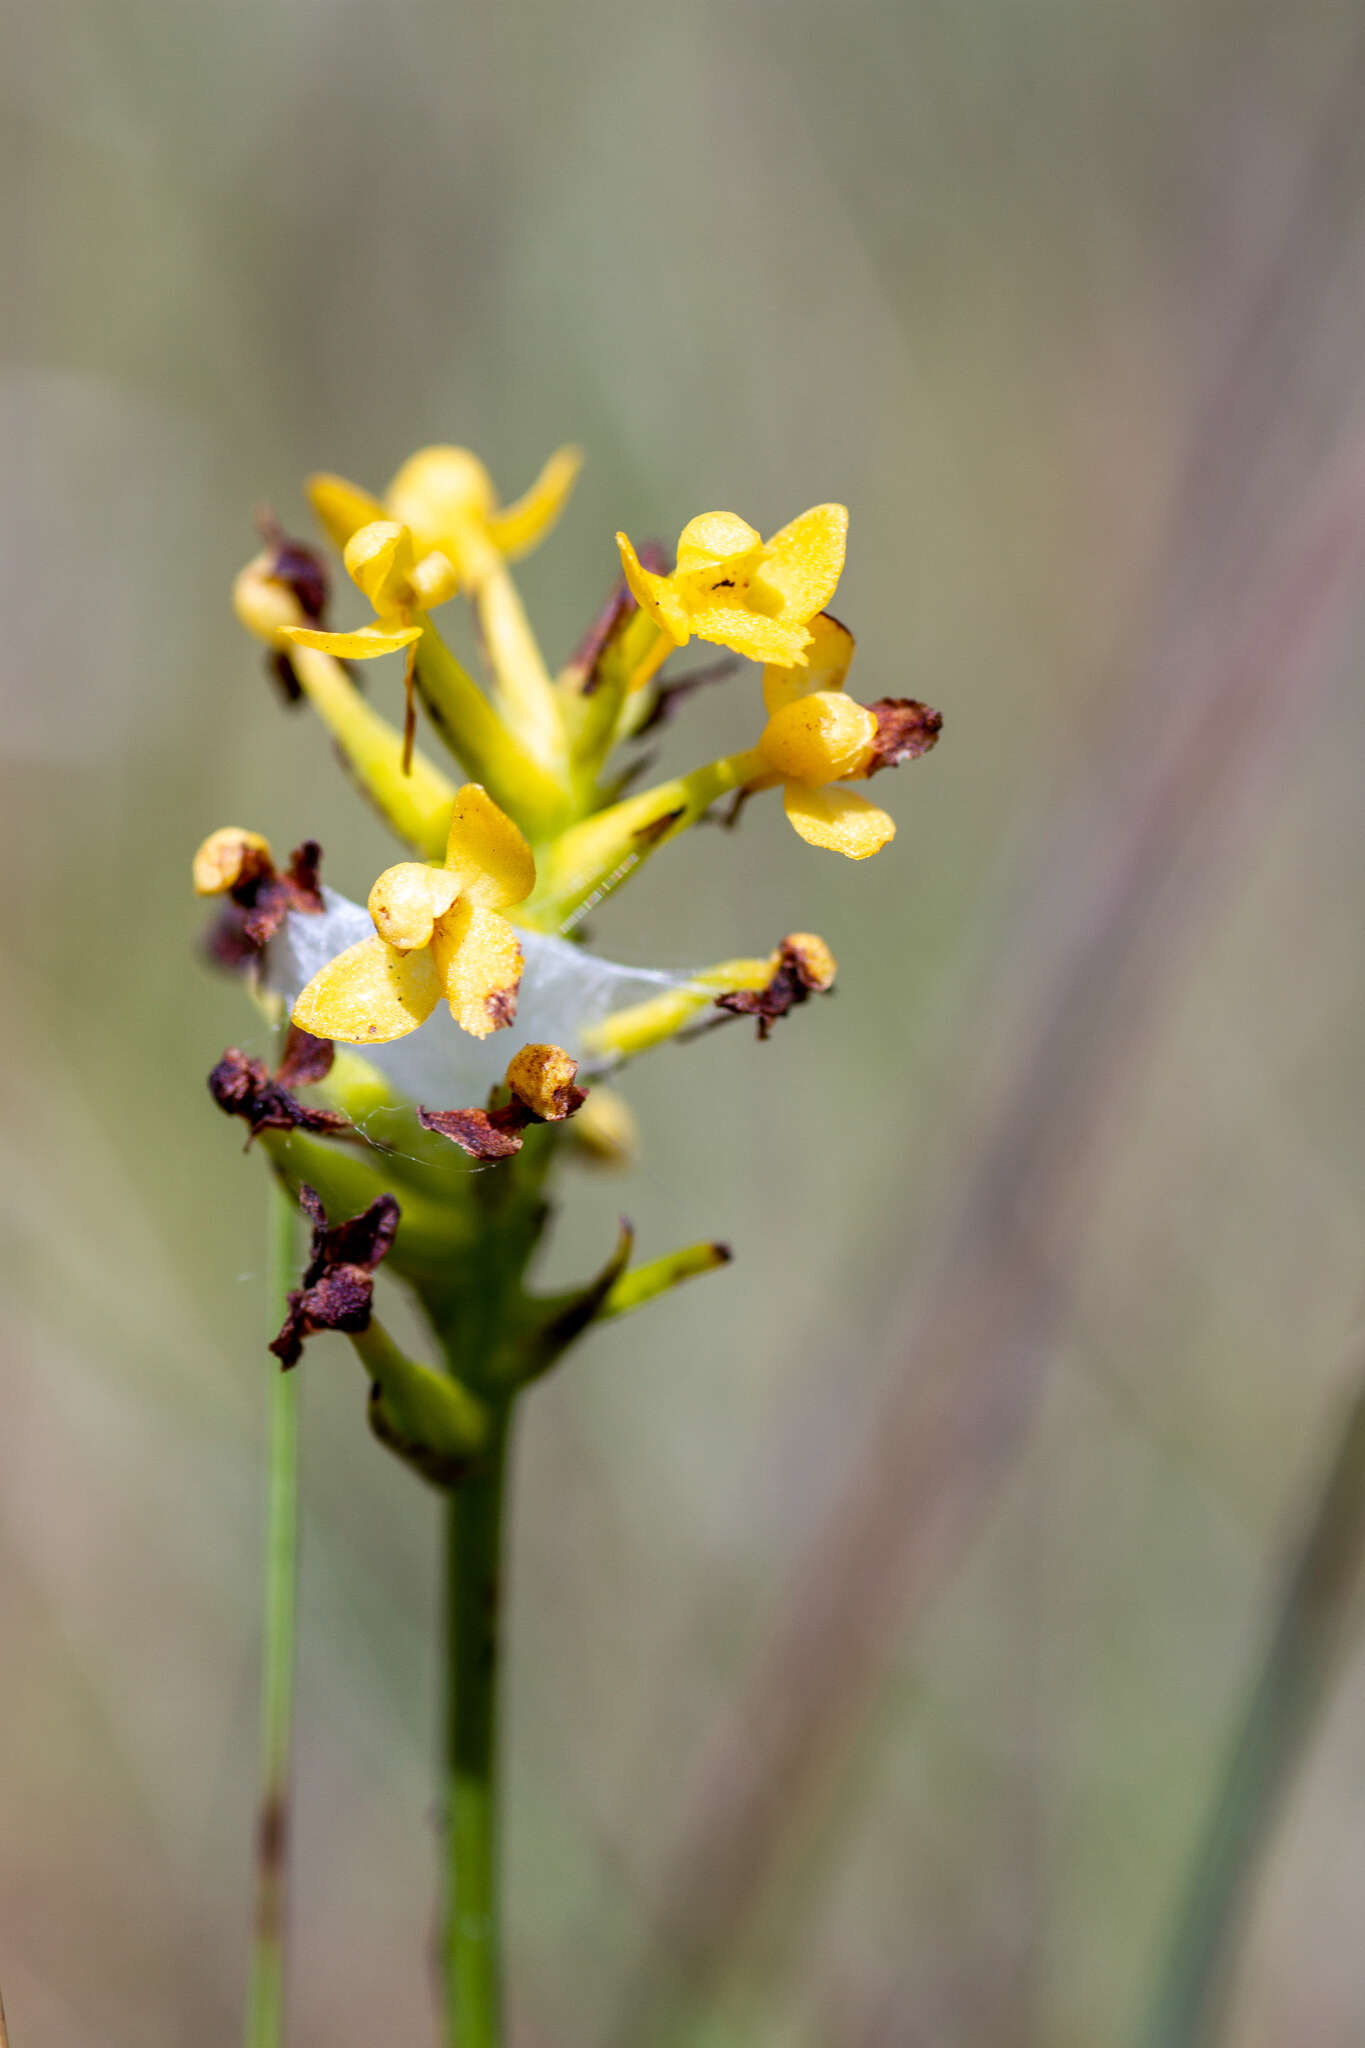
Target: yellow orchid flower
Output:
[
  {"x": 382, "y": 561},
  {"x": 438, "y": 933},
  {"x": 445, "y": 496},
  {"x": 732, "y": 587},
  {"x": 816, "y": 736}
]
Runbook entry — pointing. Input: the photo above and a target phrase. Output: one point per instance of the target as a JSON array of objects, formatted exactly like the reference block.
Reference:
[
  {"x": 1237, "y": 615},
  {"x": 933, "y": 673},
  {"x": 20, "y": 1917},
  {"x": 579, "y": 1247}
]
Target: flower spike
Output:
[{"x": 438, "y": 932}]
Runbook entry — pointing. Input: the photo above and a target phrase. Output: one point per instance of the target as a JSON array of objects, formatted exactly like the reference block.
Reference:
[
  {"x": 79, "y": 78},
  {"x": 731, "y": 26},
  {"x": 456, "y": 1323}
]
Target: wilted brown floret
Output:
[
  {"x": 482, "y": 1133},
  {"x": 804, "y": 966},
  {"x": 258, "y": 904},
  {"x": 905, "y": 730},
  {"x": 244, "y": 1087},
  {"x": 540, "y": 1079},
  {"x": 338, "y": 1282}
]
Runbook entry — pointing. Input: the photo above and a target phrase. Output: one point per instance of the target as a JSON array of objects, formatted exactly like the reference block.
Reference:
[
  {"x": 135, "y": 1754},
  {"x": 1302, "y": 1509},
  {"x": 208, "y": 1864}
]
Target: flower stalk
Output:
[
  {"x": 266, "y": 1988},
  {"x": 471, "y": 1941}
]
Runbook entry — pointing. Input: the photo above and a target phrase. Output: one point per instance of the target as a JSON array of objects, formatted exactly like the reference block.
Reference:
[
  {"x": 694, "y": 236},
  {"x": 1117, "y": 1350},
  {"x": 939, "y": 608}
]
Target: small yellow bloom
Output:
[
  {"x": 446, "y": 497},
  {"x": 382, "y": 561},
  {"x": 816, "y": 736},
  {"x": 732, "y": 587},
  {"x": 438, "y": 933}
]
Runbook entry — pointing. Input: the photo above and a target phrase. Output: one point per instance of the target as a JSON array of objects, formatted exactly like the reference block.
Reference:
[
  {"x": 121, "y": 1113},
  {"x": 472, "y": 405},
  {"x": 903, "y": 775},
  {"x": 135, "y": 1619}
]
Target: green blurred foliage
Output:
[{"x": 988, "y": 274}]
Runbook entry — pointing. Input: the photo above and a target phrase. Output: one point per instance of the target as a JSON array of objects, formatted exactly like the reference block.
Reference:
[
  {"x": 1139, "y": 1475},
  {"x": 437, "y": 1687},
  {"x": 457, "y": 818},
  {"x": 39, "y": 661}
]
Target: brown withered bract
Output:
[
  {"x": 804, "y": 968},
  {"x": 540, "y": 1079},
  {"x": 670, "y": 695},
  {"x": 587, "y": 656},
  {"x": 305, "y": 1059},
  {"x": 303, "y": 573},
  {"x": 905, "y": 730},
  {"x": 259, "y": 902},
  {"x": 338, "y": 1281},
  {"x": 244, "y": 1087},
  {"x": 482, "y": 1133}
]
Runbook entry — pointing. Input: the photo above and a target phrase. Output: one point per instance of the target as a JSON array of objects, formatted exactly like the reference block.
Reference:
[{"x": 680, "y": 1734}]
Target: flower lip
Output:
[{"x": 818, "y": 738}]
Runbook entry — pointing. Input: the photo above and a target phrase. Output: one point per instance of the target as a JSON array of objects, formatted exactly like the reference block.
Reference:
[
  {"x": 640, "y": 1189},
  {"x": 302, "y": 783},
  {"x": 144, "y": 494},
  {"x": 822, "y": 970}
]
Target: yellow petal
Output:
[
  {"x": 751, "y": 634},
  {"x": 364, "y": 644},
  {"x": 714, "y": 537},
  {"x": 478, "y": 958},
  {"x": 342, "y": 508},
  {"x": 229, "y": 856},
  {"x": 379, "y": 560},
  {"x": 819, "y": 738},
  {"x": 654, "y": 594},
  {"x": 369, "y": 994},
  {"x": 827, "y": 664},
  {"x": 803, "y": 562},
  {"x": 520, "y": 526},
  {"x": 486, "y": 854},
  {"x": 407, "y": 900},
  {"x": 438, "y": 490},
  {"x": 838, "y": 820}
]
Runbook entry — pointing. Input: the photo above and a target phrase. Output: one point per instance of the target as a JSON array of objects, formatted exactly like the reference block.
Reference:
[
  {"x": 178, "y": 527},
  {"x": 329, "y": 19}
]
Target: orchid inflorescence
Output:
[
  {"x": 503, "y": 866},
  {"x": 390, "y": 1114}
]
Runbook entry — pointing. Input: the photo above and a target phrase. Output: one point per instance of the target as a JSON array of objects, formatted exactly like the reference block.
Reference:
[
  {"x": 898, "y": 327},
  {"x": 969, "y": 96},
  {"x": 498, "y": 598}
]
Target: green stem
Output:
[
  {"x": 471, "y": 1941},
  {"x": 265, "y": 1997},
  {"x": 1276, "y": 1723}
]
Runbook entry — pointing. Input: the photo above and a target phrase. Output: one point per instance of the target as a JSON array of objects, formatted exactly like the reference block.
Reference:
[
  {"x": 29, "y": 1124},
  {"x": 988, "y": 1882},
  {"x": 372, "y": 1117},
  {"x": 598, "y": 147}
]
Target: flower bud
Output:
[
  {"x": 264, "y": 604},
  {"x": 542, "y": 1076},
  {"x": 229, "y": 858},
  {"x": 818, "y": 738}
]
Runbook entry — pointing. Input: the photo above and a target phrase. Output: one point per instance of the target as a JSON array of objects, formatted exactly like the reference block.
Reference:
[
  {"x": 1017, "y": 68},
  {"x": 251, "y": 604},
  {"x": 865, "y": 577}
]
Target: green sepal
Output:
[
  {"x": 431, "y": 1421},
  {"x": 483, "y": 744},
  {"x": 417, "y": 805},
  {"x": 594, "y": 857},
  {"x": 556, "y": 1321},
  {"x": 657, "y": 1276},
  {"x": 594, "y": 701}
]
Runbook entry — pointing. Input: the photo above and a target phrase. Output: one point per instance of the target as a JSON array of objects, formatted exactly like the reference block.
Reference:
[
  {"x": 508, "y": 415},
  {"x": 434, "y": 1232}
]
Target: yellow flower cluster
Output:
[{"x": 537, "y": 827}]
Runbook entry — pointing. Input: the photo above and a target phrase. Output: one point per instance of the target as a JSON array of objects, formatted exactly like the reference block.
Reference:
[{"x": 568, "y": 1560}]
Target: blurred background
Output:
[{"x": 883, "y": 1605}]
